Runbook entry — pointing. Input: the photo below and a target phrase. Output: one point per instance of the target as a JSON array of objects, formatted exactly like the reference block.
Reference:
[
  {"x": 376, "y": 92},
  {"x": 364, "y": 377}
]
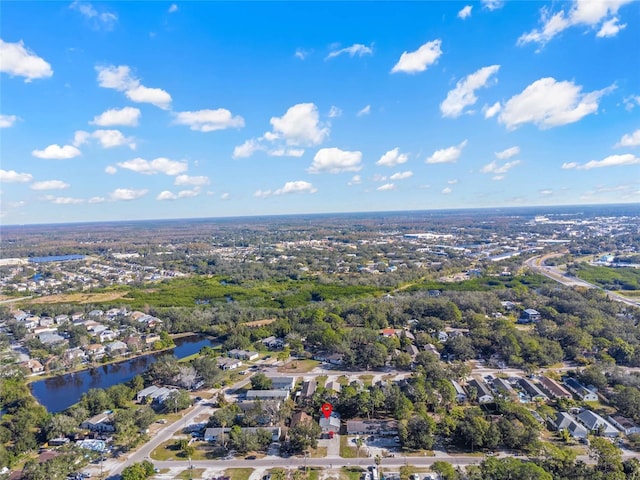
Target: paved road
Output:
[{"x": 554, "y": 273}]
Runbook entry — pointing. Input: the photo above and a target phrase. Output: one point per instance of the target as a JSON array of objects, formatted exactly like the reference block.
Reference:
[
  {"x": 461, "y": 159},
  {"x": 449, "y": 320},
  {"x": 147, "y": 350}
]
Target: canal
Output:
[{"x": 59, "y": 393}]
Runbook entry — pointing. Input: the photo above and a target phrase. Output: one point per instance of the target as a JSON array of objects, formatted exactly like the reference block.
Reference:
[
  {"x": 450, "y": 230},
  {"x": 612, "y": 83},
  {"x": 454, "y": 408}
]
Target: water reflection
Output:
[{"x": 59, "y": 393}]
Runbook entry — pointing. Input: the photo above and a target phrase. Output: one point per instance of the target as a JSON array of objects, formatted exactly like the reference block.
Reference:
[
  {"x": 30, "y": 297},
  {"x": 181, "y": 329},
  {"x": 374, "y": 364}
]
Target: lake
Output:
[{"x": 59, "y": 393}]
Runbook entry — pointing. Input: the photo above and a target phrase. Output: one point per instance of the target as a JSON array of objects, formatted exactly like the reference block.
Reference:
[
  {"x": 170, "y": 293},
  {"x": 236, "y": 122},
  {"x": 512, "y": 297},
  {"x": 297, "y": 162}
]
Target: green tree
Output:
[
  {"x": 304, "y": 435},
  {"x": 445, "y": 470},
  {"x": 261, "y": 382}
]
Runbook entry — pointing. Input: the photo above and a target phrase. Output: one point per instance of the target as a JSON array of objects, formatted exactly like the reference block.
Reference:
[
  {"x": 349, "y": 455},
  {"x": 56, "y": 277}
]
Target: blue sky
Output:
[{"x": 142, "y": 110}]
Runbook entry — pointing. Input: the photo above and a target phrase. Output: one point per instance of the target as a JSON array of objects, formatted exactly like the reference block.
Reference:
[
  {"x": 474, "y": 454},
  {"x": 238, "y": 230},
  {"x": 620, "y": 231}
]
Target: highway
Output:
[{"x": 554, "y": 273}]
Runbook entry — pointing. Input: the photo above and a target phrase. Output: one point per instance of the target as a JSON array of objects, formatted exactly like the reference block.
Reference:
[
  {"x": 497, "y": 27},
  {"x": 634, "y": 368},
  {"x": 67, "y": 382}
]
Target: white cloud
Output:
[
  {"x": 465, "y": 12},
  {"x": 189, "y": 193},
  {"x": 392, "y": 158},
  {"x": 548, "y": 103},
  {"x": 262, "y": 193},
  {"x": 419, "y": 60},
  {"x": 335, "y": 112},
  {"x": 7, "y": 121},
  {"x": 447, "y": 155},
  {"x": 80, "y": 137},
  {"x": 589, "y": 13},
  {"x": 355, "y": 49},
  {"x": 173, "y": 8},
  {"x": 166, "y": 195},
  {"x": 16, "y": 60},
  {"x": 610, "y": 161},
  {"x": 364, "y": 111},
  {"x": 107, "y": 138},
  {"x": 209, "y": 120},
  {"x": 106, "y": 20},
  {"x": 301, "y": 53},
  {"x": 453, "y": 181},
  {"x": 154, "y": 96},
  {"x": 225, "y": 196},
  {"x": 113, "y": 138},
  {"x": 110, "y": 169},
  {"x": 56, "y": 152},
  {"x": 386, "y": 187},
  {"x": 157, "y": 165},
  {"x": 630, "y": 139},
  {"x": 193, "y": 181},
  {"x": 298, "y": 186},
  {"x": 401, "y": 175},
  {"x": 97, "y": 200},
  {"x": 247, "y": 149},
  {"x": 300, "y": 126},
  {"x": 120, "y": 78},
  {"x": 334, "y": 160},
  {"x": 127, "y": 194},
  {"x": 63, "y": 200},
  {"x": 464, "y": 94},
  {"x": 127, "y": 117},
  {"x": 493, "y": 4},
  {"x": 11, "y": 176},
  {"x": 446, "y": 191},
  {"x": 286, "y": 152},
  {"x": 355, "y": 180},
  {"x": 610, "y": 28},
  {"x": 499, "y": 170},
  {"x": 631, "y": 102},
  {"x": 508, "y": 153},
  {"x": 546, "y": 191},
  {"x": 50, "y": 185},
  {"x": 491, "y": 111}
]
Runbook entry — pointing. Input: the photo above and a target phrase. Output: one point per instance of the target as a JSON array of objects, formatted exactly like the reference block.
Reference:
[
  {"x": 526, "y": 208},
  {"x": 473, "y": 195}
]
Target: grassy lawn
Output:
[
  {"x": 343, "y": 380},
  {"x": 238, "y": 473},
  {"x": 407, "y": 470},
  {"x": 169, "y": 450},
  {"x": 419, "y": 453},
  {"x": 367, "y": 380},
  {"x": 319, "y": 452},
  {"x": 193, "y": 473},
  {"x": 346, "y": 450},
  {"x": 350, "y": 473},
  {"x": 299, "y": 366}
]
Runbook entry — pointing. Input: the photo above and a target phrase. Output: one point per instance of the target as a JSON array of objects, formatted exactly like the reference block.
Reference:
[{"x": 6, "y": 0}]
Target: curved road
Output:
[{"x": 537, "y": 265}]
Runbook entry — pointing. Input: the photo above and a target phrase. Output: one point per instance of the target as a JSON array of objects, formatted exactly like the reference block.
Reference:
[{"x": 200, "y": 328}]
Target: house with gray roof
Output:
[
  {"x": 595, "y": 423},
  {"x": 565, "y": 421}
]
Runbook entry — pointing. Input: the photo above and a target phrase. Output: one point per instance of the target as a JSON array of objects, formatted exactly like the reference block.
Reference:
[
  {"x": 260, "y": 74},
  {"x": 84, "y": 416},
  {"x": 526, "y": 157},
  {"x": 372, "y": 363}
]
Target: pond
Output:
[{"x": 59, "y": 393}]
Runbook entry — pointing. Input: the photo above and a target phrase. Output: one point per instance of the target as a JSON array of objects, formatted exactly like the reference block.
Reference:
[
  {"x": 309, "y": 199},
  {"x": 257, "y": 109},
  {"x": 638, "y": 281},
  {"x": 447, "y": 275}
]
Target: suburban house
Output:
[
  {"x": 565, "y": 421},
  {"x": 242, "y": 354},
  {"x": 529, "y": 316},
  {"x": 580, "y": 390},
  {"x": 595, "y": 423},
  {"x": 333, "y": 359},
  {"x": 99, "y": 423},
  {"x": 372, "y": 427},
  {"x": 331, "y": 423},
  {"x": 503, "y": 387},
  {"x": 484, "y": 395},
  {"x": 308, "y": 388},
  {"x": 532, "y": 389},
  {"x": 461, "y": 395},
  {"x": 116, "y": 348},
  {"x": 553, "y": 388},
  {"x": 95, "y": 350},
  {"x": 226, "y": 363},
  {"x": 624, "y": 424},
  {"x": 273, "y": 342},
  {"x": 281, "y": 395},
  {"x": 74, "y": 354},
  {"x": 155, "y": 394},
  {"x": 431, "y": 348},
  {"x": 333, "y": 386},
  {"x": 107, "y": 336},
  {"x": 300, "y": 417},
  {"x": 33, "y": 365},
  {"x": 282, "y": 383}
]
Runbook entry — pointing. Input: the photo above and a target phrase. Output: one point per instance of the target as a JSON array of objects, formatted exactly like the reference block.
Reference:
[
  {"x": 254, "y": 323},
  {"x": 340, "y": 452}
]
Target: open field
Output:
[
  {"x": 299, "y": 366},
  {"x": 80, "y": 298},
  {"x": 238, "y": 473}
]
